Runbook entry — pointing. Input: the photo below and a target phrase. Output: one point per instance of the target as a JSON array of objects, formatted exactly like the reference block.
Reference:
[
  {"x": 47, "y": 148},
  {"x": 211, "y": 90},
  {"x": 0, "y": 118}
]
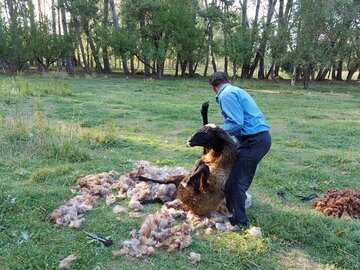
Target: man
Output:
[{"x": 244, "y": 121}]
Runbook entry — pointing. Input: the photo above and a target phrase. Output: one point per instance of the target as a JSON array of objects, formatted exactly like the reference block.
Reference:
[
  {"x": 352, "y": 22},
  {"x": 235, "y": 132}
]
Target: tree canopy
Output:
[{"x": 266, "y": 39}]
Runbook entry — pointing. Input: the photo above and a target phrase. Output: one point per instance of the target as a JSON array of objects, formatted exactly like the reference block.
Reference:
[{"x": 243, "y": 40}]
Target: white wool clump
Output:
[
  {"x": 158, "y": 230},
  {"x": 129, "y": 186},
  {"x": 135, "y": 205},
  {"x": 119, "y": 209},
  {"x": 159, "y": 173},
  {"x": 71, "y": 213},
  {"x": 110, "y": 199},
  {"x": 91, "y": 188},
  {"x": 255, "y": 231},
  {"x": 248, "y": 201},
  {"x": 194, "y": 257}
]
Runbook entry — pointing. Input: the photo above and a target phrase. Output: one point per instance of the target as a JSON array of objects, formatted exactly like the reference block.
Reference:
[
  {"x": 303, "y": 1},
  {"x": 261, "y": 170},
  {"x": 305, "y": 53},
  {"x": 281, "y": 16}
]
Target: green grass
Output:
[{"x": 49, "y": 138}]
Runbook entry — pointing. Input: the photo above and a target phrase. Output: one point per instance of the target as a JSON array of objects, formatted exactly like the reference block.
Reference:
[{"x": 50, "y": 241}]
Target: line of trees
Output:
[{"x": 311, "y": 39}]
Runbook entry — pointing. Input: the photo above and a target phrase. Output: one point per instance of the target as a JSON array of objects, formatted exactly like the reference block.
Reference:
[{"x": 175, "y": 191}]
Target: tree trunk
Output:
[
  {"x": 307, "y": 74},
  {"x": 183, "y": 65},
  {"x": 293, "y": 76},
  {"x": 117, "y": 27},
  {"x": 339, "y": 71},
  {"x": 264, "y": 39},
  {"x": 124, "y": 64},
  {"x": 95, "y": 52},
  {"x": 106, "y": 60},
  {"x": 191, "y": 69},
  {"x": 209, "y": 41},
  {"x": 244, "y": 18},
  {"x": 261, "y": 72},
  {"x": 60, "y": 61},
  {"x": 234, "y": 71},
  {"x": 78, "y": 35},
  {"x": 245, "y": 70},
  {"x": 321, "y": 76},
  {"x": 69, "y": 65},
  {"x": 177, "y": 66},
  {"x": 352, "y": 72},
  {"x": 213, "y": 61},
  {"x": 257, "y": 10},
  {"x": 132, "y": 67}
]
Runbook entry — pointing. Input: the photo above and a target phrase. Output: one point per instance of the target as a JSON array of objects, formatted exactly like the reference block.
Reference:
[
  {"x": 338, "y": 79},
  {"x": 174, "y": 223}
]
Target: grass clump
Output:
[
  {"x": 21, "y": 85},
  {"x": 48, "y": 173}
]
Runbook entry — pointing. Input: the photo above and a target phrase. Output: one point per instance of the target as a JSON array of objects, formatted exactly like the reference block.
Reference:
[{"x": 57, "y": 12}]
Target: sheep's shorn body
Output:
[{"x": 219, "y": 157}]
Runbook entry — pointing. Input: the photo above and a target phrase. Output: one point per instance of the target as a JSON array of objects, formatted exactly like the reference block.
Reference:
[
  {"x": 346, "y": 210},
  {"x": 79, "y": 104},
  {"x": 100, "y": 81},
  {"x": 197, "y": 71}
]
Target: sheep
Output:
[{"x": 203, "y": 190}]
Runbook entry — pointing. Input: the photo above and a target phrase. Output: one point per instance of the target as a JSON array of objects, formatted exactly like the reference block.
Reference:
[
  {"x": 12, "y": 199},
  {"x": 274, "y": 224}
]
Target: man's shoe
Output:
[{"x": 241, "y": 225}]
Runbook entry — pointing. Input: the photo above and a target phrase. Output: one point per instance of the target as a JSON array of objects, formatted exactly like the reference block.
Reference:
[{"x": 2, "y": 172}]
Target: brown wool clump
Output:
[{"x": 339, "y": 203}]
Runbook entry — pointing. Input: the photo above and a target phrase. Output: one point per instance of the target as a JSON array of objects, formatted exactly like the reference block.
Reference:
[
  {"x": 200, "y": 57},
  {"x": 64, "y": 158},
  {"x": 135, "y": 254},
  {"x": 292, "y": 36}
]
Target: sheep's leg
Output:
[
  {"x": 175, "y": 179},
  {"x": 156, "y": 200},
  {"x": 198, "y": 177}
]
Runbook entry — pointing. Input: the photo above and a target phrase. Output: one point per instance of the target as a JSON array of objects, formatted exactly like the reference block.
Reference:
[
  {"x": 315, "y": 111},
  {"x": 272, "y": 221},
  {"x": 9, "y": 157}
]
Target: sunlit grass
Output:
[{"x": 49, "y": 139}]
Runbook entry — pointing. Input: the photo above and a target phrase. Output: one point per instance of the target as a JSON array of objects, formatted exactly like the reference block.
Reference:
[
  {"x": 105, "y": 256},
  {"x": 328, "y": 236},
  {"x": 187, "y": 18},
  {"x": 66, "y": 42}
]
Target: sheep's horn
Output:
[{"x": 204, "y": 112}]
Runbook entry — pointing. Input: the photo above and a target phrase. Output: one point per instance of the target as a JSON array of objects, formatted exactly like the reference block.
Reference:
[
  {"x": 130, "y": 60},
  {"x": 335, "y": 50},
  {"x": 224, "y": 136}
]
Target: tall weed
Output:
[
  {"x": 40, "y": 137},
  {"x": 23, "y": 86}
]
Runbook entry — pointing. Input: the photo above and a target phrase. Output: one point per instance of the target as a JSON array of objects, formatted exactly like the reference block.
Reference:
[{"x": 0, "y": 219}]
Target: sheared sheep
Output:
[{"x": 203, "y": 190}]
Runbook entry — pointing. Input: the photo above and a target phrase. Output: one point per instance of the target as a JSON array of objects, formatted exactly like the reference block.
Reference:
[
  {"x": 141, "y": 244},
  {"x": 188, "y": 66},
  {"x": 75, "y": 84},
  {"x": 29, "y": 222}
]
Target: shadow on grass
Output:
[{"x": 326, "y": 240}]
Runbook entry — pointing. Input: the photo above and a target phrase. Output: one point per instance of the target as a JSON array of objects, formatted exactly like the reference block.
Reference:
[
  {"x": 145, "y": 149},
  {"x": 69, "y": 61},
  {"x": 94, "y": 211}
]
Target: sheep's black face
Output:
[{"x": 205, "y": 137}]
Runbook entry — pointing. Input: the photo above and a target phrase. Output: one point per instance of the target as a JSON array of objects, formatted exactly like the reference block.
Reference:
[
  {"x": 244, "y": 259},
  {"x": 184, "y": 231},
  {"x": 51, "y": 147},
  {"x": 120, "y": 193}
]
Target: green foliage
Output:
[
  {"x": 14, "y": 43},
  {"x": 48, "y": 47},
  {"x": 240, "y": 47}
]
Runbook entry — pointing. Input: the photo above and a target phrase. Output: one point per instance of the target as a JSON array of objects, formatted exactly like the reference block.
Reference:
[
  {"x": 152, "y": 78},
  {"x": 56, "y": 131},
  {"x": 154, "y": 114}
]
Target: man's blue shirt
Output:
[{"x": 241, "y": 114}]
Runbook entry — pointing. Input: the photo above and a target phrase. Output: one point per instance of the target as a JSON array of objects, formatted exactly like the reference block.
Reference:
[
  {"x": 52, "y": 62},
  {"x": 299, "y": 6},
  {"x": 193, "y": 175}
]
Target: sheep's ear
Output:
[{"x": 222, "y": 134}]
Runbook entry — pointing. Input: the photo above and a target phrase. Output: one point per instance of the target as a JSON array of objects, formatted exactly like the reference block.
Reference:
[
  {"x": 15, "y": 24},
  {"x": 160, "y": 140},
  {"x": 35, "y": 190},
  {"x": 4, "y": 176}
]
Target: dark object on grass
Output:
[
  {"x": 284, "y": 201},
  {"x": 104, "y": 241}
]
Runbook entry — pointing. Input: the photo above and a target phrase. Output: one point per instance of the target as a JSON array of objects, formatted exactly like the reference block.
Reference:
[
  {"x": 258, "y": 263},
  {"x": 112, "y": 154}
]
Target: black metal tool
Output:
[{"x": 104, "y": 241}]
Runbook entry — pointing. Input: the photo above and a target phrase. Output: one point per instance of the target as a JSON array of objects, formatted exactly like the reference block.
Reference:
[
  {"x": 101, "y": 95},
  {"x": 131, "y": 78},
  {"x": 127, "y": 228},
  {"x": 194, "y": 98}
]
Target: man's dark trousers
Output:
[{"x": 252, "y": 149}]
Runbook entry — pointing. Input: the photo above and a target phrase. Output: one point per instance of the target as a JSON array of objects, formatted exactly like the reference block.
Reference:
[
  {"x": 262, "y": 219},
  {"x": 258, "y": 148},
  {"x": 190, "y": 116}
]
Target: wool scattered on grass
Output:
[
  {"x": 90, "y": 187},
  {"x": 168, "y": 228},
  {"x": 158, "y": 230},
  {"x": 71, "y": 214},
  {"x": 129, "y": 186},
  {"x": 67, "y": 261},
  {"x": 119, "y": 209},
  {"x": 194, "y": 257},
  {"x": 255, "y": 231},
  {"x": 339, "y": 203}
]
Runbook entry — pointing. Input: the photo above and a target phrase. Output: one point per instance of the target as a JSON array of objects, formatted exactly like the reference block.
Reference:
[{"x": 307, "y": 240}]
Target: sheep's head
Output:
[{"x": 210, "y": 137}]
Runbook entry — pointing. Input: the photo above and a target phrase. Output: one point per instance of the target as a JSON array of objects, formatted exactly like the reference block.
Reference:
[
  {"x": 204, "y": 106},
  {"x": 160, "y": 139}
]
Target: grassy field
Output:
[{"x": 53, "y": 131}]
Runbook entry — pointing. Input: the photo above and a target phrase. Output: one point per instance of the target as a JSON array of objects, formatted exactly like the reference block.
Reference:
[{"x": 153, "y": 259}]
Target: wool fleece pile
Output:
[{"x": 168, "y": 228}]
